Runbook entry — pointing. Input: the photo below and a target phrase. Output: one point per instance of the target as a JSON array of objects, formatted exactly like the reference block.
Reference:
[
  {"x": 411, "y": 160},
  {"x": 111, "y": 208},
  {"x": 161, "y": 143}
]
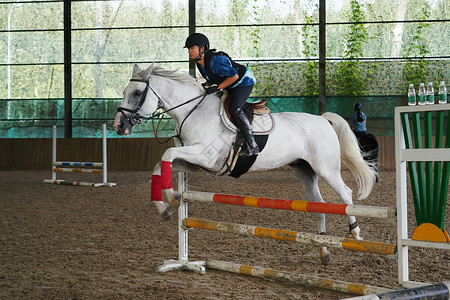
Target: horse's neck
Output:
[{"x": 205, "y": 113}]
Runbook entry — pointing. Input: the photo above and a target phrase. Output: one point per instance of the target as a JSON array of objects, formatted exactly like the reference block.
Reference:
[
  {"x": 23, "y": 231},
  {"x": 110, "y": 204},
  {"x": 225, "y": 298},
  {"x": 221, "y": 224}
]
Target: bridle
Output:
[{"x": 136, "y": 118}]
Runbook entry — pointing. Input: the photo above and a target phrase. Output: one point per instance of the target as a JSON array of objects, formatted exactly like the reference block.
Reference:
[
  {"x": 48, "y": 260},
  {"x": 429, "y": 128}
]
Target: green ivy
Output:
[
  {"x": 348, "y": 78},
  {"x": 264, "y": 86},
  {"x": 311, "y": 71},
  {"x": 416, "y": 69},
  {"x": 256, "y": 31}
]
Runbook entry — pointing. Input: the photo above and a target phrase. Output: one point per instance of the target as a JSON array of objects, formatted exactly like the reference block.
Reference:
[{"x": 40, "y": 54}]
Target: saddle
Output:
[
  {"x": 250, "y": 109},
  {"x": 257, "y": 113}
]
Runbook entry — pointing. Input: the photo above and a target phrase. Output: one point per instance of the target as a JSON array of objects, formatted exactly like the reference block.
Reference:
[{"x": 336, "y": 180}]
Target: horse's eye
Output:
[{"x": 137, "y": 93}]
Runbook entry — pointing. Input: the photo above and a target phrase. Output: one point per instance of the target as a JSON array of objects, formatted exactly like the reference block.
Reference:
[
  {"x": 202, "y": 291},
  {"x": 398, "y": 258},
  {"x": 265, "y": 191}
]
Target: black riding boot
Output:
[{"x": 242, "y": 122}]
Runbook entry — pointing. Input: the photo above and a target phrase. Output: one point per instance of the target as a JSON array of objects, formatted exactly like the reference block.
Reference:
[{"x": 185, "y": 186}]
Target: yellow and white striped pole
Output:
[{"x": 301, "y": 279}]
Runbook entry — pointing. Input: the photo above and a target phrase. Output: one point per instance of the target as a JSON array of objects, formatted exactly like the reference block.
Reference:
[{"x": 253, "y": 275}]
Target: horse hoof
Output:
[
  {"x": 167, "y": 213},
  {"x": 354, "y": 230},
  {"x": 356, "y": 236},
  {"x": 325, "y": 256},
  {"x": 176, "y": 200},
  {"x": 326, "y": 259}
]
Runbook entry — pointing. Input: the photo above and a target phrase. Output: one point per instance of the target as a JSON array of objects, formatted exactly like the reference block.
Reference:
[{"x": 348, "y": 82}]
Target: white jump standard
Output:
[
  {"x": 79, "y": 167},
  {"x": 417, "y": 156}
]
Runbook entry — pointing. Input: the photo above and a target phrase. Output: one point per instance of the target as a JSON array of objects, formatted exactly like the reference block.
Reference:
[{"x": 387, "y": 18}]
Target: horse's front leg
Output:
[{"x": 162, "y": 192}]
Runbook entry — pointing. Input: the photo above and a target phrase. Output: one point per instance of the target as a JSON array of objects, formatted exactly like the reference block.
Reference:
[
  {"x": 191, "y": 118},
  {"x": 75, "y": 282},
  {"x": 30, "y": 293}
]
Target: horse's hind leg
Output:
[
  {"x": 309, "y": 180},
  {"x": 334, "y": 179}
]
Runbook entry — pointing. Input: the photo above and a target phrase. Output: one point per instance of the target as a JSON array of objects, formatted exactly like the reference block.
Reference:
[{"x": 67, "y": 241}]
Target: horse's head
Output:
[{"x": 139, "y": 100}]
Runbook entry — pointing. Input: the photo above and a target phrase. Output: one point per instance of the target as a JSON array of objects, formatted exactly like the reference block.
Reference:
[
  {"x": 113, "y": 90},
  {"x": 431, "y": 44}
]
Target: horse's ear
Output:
[
  {"x": 136, "y": 70},
  {"x": 148, "y": 71}
]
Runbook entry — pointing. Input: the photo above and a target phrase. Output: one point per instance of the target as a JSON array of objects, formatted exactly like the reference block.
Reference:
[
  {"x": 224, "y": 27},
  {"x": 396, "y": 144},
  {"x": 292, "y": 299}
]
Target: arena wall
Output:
[{"x": 124, "y": 154}]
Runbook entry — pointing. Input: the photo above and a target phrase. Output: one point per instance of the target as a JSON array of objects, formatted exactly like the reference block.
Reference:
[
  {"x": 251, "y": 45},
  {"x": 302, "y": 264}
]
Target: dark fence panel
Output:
[{"x": 137, "y": 154}]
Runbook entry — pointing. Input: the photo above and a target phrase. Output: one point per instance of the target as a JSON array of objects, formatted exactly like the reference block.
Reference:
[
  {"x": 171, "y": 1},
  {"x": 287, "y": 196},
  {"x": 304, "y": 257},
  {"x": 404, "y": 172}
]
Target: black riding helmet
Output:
[
  {"x": 197, "y": 39},
  {"x": 357, "y": 106}
]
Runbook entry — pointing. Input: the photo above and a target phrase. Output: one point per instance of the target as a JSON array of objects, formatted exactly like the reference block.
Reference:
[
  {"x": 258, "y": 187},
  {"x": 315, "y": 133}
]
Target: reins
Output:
[
  {"x": 178, "y": 135},
  {"x": 136, "y": 118},
  {"x": 179, "y": 105}
]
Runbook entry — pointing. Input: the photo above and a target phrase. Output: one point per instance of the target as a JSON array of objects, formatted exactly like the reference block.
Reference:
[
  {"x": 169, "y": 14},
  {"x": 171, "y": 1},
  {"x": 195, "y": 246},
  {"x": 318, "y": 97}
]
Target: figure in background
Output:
[{"x": 358, "y": 121}]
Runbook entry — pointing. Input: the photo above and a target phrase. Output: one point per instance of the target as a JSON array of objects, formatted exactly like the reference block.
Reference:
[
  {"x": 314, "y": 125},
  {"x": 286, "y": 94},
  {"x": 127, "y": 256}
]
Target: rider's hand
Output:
[{"x": 212, "y": 89}]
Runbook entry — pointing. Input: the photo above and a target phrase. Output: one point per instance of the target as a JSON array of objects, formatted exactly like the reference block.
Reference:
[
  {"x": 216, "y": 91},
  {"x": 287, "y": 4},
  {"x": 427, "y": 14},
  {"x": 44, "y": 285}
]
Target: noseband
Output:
[{"x": 135, "y": 117}]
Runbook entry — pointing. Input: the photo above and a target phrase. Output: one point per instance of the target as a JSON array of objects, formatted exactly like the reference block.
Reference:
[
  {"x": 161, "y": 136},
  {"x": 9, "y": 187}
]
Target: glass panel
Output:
[
  {"x": 129, "y": 45},
  {"x": 107, "y": 81},
  {"x": 40, "y": 81},
  {"x": 256, "y": 41},
  {"x": 32, "y": 47},
  {"x": 433, "y": 37},
  {"x": 388, "y": 10},
  {"x": 255, "y": 12},
  {"x": 26, "y": 16},
  {"x": 97, "y": 14},
  {"x": 31, "y": 109},
  {"x": 392, "y": 40}
]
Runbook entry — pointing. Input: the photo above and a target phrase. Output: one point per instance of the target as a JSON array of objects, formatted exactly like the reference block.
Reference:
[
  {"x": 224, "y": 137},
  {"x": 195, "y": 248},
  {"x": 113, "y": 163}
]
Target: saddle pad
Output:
[
  {"x": 244, "y": 163},
  {"x": 262, "y": 124},
  {"x": 236, "y": 165}
]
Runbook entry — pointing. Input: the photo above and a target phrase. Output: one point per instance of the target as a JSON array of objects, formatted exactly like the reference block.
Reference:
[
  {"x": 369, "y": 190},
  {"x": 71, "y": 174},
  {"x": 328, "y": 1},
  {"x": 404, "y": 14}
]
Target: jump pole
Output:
[
  {"x": 300, "y": 279},
  {"x": 293, "y": 236},
  {"x": 61, "y": 166},
  {"x": 295, "y": 205}
]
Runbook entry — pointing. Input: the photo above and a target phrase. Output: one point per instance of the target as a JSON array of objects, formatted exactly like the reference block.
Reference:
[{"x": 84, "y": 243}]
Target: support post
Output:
[
  {"x": 54, "y": 152},
  {"x": 402, "y": 211},
  {"x": 322, "y": 56},
  {"x": 105, "y": 176},
  {"x": 67, "y": 69},
  {"x": 183, "y": 247},
  {"x": 191, "y": 31}
]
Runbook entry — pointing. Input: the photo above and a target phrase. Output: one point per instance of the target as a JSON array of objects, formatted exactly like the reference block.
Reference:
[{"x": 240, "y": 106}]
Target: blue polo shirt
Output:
[{"x": 358, "y": 126}]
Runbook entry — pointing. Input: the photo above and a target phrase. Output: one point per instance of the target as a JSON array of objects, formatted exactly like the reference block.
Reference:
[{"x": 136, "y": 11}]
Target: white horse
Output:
[{"x": 313, "y": 146}]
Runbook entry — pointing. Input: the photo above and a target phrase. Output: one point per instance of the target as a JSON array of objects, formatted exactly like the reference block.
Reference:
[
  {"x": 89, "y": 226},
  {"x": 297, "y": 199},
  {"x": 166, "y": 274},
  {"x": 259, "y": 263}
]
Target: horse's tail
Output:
[{"x": 351, "y": 155}]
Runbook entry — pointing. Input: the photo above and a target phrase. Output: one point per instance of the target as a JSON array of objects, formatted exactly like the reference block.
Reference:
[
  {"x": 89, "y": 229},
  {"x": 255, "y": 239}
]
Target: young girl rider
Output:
[
  {"x": 358, "y": 120},
  {"x": 221, "y": 72}
]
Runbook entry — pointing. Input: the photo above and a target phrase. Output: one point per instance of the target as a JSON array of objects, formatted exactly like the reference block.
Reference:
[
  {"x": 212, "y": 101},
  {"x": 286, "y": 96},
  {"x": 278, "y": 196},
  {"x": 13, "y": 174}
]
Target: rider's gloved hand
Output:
[{"x": 212, "y": 89}]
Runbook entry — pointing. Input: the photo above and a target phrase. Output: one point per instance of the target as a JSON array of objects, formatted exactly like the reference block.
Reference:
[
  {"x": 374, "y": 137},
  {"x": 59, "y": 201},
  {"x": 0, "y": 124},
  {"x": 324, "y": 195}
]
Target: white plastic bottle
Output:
[
  {"x": 421, "y": 95},
  {"x": 442, "y": 93},
  {"x": 430, "y": 93},
  {"x": 411, "y": 95}
]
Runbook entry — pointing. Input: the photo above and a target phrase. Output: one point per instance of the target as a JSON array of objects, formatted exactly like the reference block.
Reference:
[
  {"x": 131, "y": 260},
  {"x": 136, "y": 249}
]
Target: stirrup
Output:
[{"x": 249, "y": 152}]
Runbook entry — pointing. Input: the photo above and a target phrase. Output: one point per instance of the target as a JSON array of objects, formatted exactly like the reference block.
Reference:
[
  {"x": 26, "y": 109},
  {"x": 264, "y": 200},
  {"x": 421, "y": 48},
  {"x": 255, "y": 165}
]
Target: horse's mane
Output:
[{"x": 171, "y": 74}]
